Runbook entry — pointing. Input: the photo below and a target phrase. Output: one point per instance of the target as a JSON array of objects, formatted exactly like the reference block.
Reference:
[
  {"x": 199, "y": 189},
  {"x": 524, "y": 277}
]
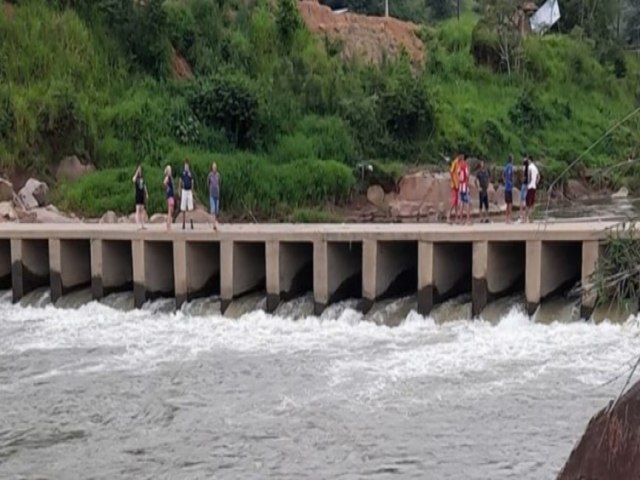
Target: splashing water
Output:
[{"x": 96, "y": 390}]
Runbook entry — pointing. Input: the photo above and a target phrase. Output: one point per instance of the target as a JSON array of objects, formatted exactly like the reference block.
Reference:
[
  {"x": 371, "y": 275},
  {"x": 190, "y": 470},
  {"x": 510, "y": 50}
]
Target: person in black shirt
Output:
[
  {"x": 186, "y": 196},
  {"x": 142, "y": 195}
]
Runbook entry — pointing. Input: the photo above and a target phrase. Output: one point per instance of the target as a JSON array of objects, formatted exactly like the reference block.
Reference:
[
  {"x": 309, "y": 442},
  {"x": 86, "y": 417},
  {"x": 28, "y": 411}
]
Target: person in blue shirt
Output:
[
  {"x": 186, "y": 195},
  {"x": 508, "y": 187}
]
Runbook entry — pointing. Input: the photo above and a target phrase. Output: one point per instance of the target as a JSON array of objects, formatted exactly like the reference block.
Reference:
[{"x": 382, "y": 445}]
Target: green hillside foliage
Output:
[{"x": 284, "y": 116}]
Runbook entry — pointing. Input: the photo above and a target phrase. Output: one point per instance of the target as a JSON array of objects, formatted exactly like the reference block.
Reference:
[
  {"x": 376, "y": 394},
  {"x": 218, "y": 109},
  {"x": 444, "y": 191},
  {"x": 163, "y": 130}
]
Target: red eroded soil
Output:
[
  {"x": 180, "y": 68},
  {"x": 361, "y": 36}
]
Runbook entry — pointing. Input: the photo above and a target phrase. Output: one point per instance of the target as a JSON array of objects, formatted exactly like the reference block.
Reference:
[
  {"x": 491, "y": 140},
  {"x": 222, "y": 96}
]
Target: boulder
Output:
[
  {"x": 34, "y": 194},
  {"x": 576, "y": 190},
  {"x": 410, "y": 209},
  {"x": 375, "y": 195},
  {"x": 109, "y": 217},
  {"x": 425, "y": 187},
  {"x": 622, "y": 193},
  {"x": 199, "y": 215},
  {"x": 52, "y": 215},
  {"x": 72, "y": 168},
  {"x": 7, "y": 212},
  {"x": 6, "y": 190},
  {"x": 159, "y": 218},
  {"x": 609, "y": 448}
]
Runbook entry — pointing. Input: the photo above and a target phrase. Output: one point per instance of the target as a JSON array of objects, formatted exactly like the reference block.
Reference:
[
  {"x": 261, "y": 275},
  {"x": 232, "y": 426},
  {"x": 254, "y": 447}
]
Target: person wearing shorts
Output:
[
  {"x": 454, "y": 172},
  {"x": 186, "y": 196},
  {"x": 213, "y": 181},
  {"x": 534, "y": 178},
  {"x": 142, "y": 195},
  {"x": 465, "y": 199},
  {"x": 170, "y": 195},
  {"x": 523, "y": 189},
  {"x": 482, "y": 182},
  {"x": 508, "y": 187}
]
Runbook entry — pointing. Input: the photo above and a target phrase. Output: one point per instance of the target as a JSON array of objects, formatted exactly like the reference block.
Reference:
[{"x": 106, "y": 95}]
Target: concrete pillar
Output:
[
  {"x": 272, "y": 264},
  {"x": 388, "y": 269},
  {"x": 479, "y": 287},
  {"x": 5, "y": 264},
  {"x": 550, "y": 266},
  {"x": 152, "y": 271},
  {"x": 180, "y": 266},
  {"x": 138, "y": 263},
  {"x": 590, "y": 255},
  {"x": 533, "y": 275},
  {"x": 289, "y": 271},
  {"x": 338, "y": 276},
  {"x": 29, "y": 266},
  {"x": 243, "y": 269},
  {"x": 425, "y": 278},
  {"x": 498, "y": 268},
  {"x": 320, "y": 276},
  {"x": 111, "y": 267},
  {"x": 69, "y": 265}
]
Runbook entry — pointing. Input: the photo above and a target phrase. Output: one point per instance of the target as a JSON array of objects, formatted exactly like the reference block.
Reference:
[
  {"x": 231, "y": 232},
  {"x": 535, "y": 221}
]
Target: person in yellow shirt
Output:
[{"x": 454, "y": 172}]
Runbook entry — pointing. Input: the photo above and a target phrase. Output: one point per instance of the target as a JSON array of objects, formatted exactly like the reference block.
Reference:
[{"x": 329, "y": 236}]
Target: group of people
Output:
[
  {"x": 459, "y": 171},
  {"x": 185, "y": 194}
]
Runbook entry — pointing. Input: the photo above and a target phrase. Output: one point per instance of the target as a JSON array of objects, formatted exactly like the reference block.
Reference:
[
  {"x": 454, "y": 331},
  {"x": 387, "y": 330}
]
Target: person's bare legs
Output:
[
  {"x": 169, "y": 217},
  {"x": 508, "y": 216}
]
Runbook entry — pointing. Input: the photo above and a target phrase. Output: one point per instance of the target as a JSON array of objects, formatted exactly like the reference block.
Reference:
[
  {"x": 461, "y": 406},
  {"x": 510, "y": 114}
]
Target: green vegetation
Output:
[
  {"x": 616, "y": 279},
  {"x": 284, "y": 116}
]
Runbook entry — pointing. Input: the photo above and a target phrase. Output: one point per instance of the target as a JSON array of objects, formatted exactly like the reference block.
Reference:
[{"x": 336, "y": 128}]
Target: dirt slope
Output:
[{"x": 370, "y": 38}]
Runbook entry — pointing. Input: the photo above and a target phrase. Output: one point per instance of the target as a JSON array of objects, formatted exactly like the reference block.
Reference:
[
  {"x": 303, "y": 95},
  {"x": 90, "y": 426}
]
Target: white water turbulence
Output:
[{"x": 102, "y": 391}]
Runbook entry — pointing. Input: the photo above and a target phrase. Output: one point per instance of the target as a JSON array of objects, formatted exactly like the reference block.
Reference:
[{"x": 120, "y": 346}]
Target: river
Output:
[{"x": 94, "y": 390}]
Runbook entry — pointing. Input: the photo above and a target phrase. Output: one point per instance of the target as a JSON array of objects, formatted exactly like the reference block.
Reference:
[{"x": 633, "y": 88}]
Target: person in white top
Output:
[{"x": 534, "y": 178}]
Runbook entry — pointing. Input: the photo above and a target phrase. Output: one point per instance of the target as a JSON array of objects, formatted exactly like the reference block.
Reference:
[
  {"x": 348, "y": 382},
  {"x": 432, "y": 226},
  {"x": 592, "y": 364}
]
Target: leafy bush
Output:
[{"x": 229, "y": 102}]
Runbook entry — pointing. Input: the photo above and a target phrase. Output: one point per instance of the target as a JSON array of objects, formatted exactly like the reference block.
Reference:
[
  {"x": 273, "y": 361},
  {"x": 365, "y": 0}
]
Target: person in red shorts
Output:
[
  {"x": 454, "y": 172},
  {"x": 534, "y": 178}
]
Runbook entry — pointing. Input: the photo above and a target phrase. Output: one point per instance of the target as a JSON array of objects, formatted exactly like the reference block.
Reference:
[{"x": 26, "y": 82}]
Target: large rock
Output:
[
  {"x": 375, "y": 195},
  {"x": 622, "y": 193},
  {"x": 6, "y": 190},
  {"x": 7, "y": 212},
  {"x": 158, "y": 218},
  {"x": 199, "y": 215},
  {"x": 72, "y": 168},
  {"x": 34, "y": 194},
  {"x": 51, "y": 214},
  {"x": 425, "y": 187},
  {"x": 109, "y": 217},
  {"x": 609, "y": 448},
  {"x": 576, "y": 190}
]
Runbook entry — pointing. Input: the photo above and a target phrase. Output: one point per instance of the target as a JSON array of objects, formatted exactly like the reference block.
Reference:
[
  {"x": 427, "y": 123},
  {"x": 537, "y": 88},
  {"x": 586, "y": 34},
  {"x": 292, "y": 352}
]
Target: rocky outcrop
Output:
[
  {"x": 6, "y": 190},
  {"x": 610, "y": 447},
  {"x": 375, "y": 196},
  {"x": 366, "y": 37},
  {"x": 7, "y": 212},
  {"x": 72, "y": 168},
  {"x": 109, "y": 218},
  {"x": 34, "y": 194}
]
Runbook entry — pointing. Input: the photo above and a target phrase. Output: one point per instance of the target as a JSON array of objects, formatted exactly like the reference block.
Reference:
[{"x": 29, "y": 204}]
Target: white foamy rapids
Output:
[{"x": 511, "y": 351}]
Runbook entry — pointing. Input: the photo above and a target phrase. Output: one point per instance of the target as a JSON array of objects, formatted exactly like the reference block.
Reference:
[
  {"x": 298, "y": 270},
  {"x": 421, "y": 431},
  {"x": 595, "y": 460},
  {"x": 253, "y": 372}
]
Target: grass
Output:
[{"x": 69, "y": 87}]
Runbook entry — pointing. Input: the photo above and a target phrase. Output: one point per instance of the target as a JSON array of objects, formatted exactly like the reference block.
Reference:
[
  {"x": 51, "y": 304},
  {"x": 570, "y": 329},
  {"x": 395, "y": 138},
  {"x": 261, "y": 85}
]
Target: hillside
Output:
[{"x": 285, "y": 112}]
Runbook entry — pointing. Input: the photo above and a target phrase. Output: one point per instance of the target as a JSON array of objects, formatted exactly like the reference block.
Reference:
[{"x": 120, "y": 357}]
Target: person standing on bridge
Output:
[
  {"x": 213, "y": 181},
  {"x": 186, "y": 193},
  {"x": 533, "y": 178},
  {"x": 524, "y": 185},
  {"x": 142, "y": 195},
  {"x": 507, "y": 176},
  {"x": 465, "y": 198},
  {"x": 170, "y": 194},
  {"x": 482, "y": 182},
  {"x": 454, "y": 173}
]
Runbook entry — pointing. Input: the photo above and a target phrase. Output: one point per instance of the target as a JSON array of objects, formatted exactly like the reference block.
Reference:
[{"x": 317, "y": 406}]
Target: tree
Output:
[
  {"x": 441, "y": 9},
  {"x": 498, "y": 17}
]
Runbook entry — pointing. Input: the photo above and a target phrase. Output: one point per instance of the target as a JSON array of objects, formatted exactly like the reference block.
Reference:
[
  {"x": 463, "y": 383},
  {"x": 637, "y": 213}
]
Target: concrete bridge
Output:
[{"x": 335, "y": 262}]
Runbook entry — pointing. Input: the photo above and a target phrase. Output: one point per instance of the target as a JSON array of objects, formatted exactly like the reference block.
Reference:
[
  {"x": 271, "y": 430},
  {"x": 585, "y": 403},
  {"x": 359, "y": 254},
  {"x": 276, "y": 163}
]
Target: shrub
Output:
[{"x": 229, "y": 102}]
